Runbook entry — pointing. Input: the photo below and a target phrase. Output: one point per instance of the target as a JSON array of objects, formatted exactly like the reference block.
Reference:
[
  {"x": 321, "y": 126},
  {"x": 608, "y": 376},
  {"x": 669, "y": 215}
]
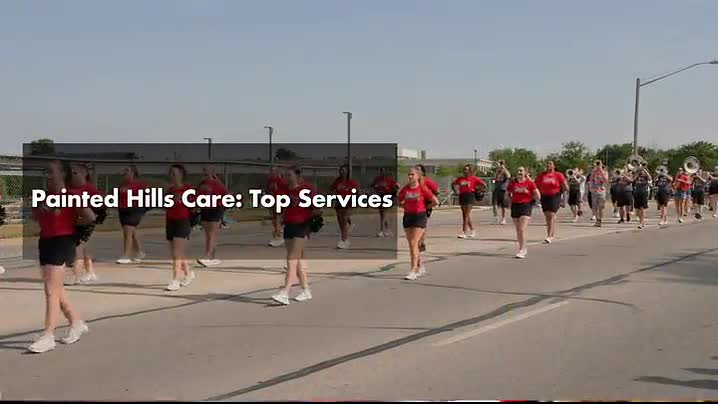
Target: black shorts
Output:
[
  {"x": 663, "y": 198},
  {"x": 212, "y": 215},
  {"x": 551, "y": 203},
  {"x": 640, "y": 200},
  {"x": 467, "y": 199},
  {"x": 57, "y": 251},
  {"x": 521, "y": 209},
  {"x": 428, "y": 212},
  {"x": 415, "y": 220},
  {"x": 699, "y": 197},
  {"x": 713, "y": 189},
  {"x": 296, "y": 230},
  {"x": 624, "y": 199},
  {"x": 177, "y": 229},
  {"x": 589, "y": 197},
  {"x": 131, "y": 216},
  {"x": 574, "y": 197},
  {"x": 614, "y": 195},
  {"x": 499, "y": 199}
]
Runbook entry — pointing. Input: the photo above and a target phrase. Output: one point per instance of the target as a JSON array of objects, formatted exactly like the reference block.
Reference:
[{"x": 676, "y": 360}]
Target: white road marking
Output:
[{"x": 491, "y": 327}]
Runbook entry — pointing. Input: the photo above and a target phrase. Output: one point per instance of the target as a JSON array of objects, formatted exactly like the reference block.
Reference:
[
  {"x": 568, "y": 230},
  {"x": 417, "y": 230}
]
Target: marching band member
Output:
[
  {"x": 413, "y": 198},
  {"x": 699, "y": 193},
  {"x": 681, "y": 185},
  {"x": 641, "y": 192},
  {"x": 713, "y": 191},
  {"x": 597, "y": 186},
  {"x": 624, "y": 196},
  {"x": 465, "y": 186},
  {"x": 552, "y": 186},
  {"x": 499, "y": 201},
  {"x": 523, "y": 194},
  {"x": 574, "y": 193},
  {"x": 663, "y": 195},
  {"x": 57, "y": 251}
]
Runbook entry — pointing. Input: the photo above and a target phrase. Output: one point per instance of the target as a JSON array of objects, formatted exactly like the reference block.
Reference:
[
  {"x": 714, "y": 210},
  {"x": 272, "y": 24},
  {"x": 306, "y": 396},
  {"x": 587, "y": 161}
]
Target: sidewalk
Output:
[{"x": 126, "y": 290}]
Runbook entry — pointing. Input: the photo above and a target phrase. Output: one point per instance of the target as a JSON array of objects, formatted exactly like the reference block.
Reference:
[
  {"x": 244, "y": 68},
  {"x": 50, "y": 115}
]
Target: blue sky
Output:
[{"x": 447, "y": 77}]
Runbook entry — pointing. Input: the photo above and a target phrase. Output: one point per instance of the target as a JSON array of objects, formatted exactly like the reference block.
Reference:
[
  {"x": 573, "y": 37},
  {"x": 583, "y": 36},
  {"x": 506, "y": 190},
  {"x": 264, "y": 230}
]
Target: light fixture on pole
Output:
[
  {"x": 349, "y": 142},
  {"x": 271, "y": 155}
]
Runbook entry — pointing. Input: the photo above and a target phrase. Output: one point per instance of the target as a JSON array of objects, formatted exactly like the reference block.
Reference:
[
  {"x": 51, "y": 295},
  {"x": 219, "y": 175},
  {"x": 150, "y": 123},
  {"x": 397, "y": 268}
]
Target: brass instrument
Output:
[
  {"x": 691, "y": 165},
  {"x": 662, "y": 170},
  {"x": 570, "y": 172},
  {"x": 634, "y": 162}
]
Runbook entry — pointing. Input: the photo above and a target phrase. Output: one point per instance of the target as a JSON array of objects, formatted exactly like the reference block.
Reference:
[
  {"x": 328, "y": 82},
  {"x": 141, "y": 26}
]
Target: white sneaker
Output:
[
  {"x": 203, "y": 261},
  {"x": 138, "y": 259},
  {"x": 90, "y": 277},
  {"x": 281, "y": 298},
  {"x": 503, "y": 221},
  {"x": 304, "y": 296},
  {"x": 277, "y": 242},
  {"x": 714, "y": 216},
  {"x": 381, "y": 234},
  {"x": 548, "y": 240},
  {"x": 412, "y": 276},
  {"x": 343, "y": 245},
  {"x": 422, "y": 270},
  {"x": 2, "y": 268},
  {"x": 498, "y": 220},
  {"x": 575, "y": 219},
  {"x": 388, "y": 234},
  {"x": 74, "y": 333},
  {"x": 521, "y": 254},
  {"x": 124, "y": 261},
  {"x": 680, "y": 220},
  {"x": 174, "y": 285},
  {"x": 74, "y": 280},
  {"x": 593, "y": 218},
  {"x": 462, "y": 236},
  {"x": 215, "y": 262},
  {"x": 188, "y": 279},
  {"x": 42, "y": 344}
]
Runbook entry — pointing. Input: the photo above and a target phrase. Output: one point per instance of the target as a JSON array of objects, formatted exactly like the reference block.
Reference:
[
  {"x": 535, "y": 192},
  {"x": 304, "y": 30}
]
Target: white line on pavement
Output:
[{"x": 490, "y": 327}]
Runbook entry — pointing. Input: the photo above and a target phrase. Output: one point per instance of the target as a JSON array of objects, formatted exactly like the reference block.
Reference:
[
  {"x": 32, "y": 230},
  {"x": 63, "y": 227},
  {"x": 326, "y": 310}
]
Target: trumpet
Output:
[{"x": 691, "y": 165}]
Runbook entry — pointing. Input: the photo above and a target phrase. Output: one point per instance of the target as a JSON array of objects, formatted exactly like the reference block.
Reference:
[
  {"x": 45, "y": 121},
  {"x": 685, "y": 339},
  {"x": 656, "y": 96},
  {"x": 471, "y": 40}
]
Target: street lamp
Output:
[
  {"x": 476, "y": 160},
  {"x": 271, "y": 155},
  {"x": 638, "y": 91},
  {"x": 349, "y": 142},
  {"x": 209, "y": 147}
]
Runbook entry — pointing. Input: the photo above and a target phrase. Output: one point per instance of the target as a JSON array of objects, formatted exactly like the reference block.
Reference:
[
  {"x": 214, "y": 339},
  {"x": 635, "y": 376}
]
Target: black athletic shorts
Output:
[
  {"x": 663, "y": 198},
  {"x": 589, "y": 197},
  {"x": 131, "y": 216},
  {"x": 551, "y": 203},
  {"x": 624, "y": 199},
  {"x": 415, "y": 220},
  {"x": 640, "y": 200},
  {"x": 713, "y": 188},
  {"x": 212, "y": 215},
  {"x": 614, "y": 195},
  {"x": 521, "y": 209},
  {"x": 57, "y": 251},
  {"x": 699, "y": 197},
  {"x": 574, "y": 197},
  {"x": 296, "y": 230},
  {"x": 177, "y": 229},
  {"x": 499, "y": 198},
  {"x": 467, "y": 198}
]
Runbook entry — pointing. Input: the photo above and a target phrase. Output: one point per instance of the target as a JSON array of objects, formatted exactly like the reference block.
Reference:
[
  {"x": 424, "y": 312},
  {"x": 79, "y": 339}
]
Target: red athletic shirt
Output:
[
  {"x": 276, "y": 184},
  {"x": 88, "y": 187},
  {"x": 295, "y": 214},
  {"x": 210, "y": 186},
  {"x": 384, "y": 184},
  {"x": 431, "y": 185},
  {"x": 468, "y": 184},
  {"x": 135, "y": 186},
  {"x": 414, "y": 199},
  {"x": 684, "y": 186},
  {"x": 56, "y": 222},
  {"x": 550, "y": 183},
  {"x": 522, "y": 192},
  {"x": 179, "y": 211},
  {"x": 341, "y": 186}
]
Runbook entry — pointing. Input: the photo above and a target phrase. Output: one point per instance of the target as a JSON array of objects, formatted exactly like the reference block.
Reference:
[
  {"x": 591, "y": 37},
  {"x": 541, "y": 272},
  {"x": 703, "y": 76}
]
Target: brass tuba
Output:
[
  {"x": 633, "y": 162},
  {"x": 570, "y": 172},
  {"x": 691, "y": 165},
  {"x": 662, "y": 170}
]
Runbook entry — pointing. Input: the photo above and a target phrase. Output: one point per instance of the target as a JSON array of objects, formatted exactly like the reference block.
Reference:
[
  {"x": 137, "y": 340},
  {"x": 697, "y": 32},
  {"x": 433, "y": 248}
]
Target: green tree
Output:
[
  {"x": 615, "y": 155},
  {"x": 286, "y": 154},
  {"x": 573, "y": 155},
  {"x": 515, "y": 158},
  {"x": 42, "y": 146},
  {"x": 704, "y": 151}
]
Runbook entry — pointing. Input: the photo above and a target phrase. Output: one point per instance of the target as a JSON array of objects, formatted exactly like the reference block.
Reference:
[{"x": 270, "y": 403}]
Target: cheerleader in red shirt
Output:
[
  {"x": 130, "y": 217},
  {"x": 466, "y": 186},
  {"x": 552, "y": 185},
  {"x": 178, "y": 227},
  {"x": 432, "y": 186},
  {"x": 384, "y": 185},
  {"x": 275, "y": 186},
  {"x": 297, "y": 227},
  {"x": 80, "y": 182},
  {"x": 211, "y": 217},
  {"x": 57, "y": 250},
  {"x": 344, "y": 185},
  {"x": 523, "y": 194},
  {"x": 413, "y": 198}
]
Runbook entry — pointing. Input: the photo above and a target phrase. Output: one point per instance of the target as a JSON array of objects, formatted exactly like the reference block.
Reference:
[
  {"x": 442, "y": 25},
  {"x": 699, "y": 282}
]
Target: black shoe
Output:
[{"x": 621, "y": 221}]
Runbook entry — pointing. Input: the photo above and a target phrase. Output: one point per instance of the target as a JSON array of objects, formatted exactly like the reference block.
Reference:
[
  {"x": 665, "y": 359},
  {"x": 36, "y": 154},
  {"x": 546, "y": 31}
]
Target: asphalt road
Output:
[{"x": 617, "y": 316}]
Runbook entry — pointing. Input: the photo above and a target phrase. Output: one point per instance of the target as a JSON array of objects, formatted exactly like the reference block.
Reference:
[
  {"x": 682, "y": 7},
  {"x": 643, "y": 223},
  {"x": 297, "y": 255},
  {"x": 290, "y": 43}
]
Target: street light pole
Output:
[
  {"x": 639, "y": 84},
  {"x": 476, "y": 160},
  {"x": 349, "y": 142},
  {"x": 209, "y": 147},
  {"x": 271, "y": 155}
]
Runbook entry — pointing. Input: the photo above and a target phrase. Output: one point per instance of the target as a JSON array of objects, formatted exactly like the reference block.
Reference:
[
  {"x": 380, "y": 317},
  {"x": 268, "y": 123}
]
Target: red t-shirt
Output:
[
  {"x": 684, "y": 186},
  {"x": 341, "y": 186},
  {"x": 384, "y": 184},
  {"x": 522, "y": 192},
  {"x": 414, "y": 199},
  {"x": 550, "y": 183},
  {"x": 431, "y": 185},
  {"x": 295, "y": 214},
  {"x": 276, "y": 184},
  {"x": 56, "y": 222},
  {"x": 468, "y": 184},
  {"x": 179, "y": 211},
  {"x": 88, "y": 187},
  {"x": 210, "y": 186},
  {"x": 136, "y": 186}
]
